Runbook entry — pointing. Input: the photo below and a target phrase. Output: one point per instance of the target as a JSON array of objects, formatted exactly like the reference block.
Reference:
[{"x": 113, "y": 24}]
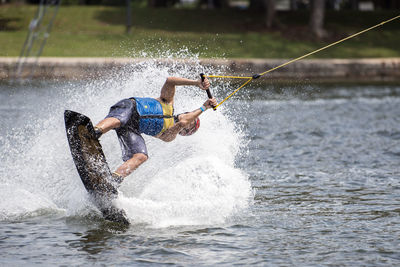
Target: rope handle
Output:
[{"x": 208, "y": 90}]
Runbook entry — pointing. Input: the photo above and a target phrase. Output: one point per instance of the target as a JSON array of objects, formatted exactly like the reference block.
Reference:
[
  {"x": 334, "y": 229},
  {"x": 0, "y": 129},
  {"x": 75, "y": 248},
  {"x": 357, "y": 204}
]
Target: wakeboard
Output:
[{"x": 92, "y": 166}]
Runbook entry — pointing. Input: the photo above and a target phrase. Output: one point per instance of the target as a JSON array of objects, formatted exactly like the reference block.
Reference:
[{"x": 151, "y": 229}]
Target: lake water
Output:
[{"x": 296, "y": 175}]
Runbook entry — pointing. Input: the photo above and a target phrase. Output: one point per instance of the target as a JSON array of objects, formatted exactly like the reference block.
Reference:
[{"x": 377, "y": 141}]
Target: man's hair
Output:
[{"x": 186, "y": 132}]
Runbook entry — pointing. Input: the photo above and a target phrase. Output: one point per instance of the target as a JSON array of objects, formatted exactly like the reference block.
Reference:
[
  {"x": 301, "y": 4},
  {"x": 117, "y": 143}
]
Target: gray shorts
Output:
[{"x": 129, "y": 137}]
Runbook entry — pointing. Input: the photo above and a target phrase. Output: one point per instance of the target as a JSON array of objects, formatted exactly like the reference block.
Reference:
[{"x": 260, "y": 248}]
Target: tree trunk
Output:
[
  {"x": 317, "y": 18},
  {"x": 128, "y": 16},
  {"x": 157, "y": 3},
  {"x": 395, "y": 4},
  {"x": 354, "y": 4},
  {"x": 269, "y": 13},
  {"x": 386, "y": 4},
  {"x": 220, "y": 3},
  {"x": 214, "y": 4},
  {"x": 293, "y": 5},
  {"x": 257, "y": 5},
  {"x": 378, "y": 4}
]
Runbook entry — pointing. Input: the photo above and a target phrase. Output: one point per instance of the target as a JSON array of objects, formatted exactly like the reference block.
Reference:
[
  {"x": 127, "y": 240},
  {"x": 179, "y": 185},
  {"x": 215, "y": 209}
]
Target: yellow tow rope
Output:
[{"x": 256, "y": 76}]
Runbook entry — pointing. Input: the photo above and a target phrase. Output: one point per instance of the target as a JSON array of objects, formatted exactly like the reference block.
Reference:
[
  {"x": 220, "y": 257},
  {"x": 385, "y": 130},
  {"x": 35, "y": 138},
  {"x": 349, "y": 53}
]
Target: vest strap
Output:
[{"x": 156, "y": 116}]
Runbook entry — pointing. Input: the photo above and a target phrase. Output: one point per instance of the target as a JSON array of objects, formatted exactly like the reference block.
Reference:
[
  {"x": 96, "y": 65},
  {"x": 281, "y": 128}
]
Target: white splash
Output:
[{"x": 192, "y": 180}]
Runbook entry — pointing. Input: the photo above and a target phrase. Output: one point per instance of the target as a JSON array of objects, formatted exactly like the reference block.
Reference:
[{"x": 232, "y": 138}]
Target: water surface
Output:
[{"x": 304, "y": 175}]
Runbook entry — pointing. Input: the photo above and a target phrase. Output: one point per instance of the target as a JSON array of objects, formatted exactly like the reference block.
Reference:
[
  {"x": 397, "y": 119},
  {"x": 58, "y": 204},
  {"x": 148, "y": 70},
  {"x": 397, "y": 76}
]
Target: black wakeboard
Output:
[{"x": 92, "y": 166}]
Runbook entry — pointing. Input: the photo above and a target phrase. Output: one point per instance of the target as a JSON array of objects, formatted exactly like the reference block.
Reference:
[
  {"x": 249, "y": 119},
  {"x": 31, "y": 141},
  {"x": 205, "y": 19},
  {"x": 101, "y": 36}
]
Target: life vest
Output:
[{"x": 155, "y": 116}]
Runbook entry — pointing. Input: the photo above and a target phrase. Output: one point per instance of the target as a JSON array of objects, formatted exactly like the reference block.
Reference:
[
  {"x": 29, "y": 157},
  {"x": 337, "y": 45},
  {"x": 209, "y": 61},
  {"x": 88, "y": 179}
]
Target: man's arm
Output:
[
  {"x": 168, "y": 89},
  {"x": 185, "y": 120},
  {"x": 170, "y": 134}
]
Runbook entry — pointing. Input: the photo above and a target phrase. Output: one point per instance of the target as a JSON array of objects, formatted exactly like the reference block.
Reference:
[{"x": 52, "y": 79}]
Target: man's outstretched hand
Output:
[
  {"x": 204, "y": 85},
  {"x": 210, "y": 103}
]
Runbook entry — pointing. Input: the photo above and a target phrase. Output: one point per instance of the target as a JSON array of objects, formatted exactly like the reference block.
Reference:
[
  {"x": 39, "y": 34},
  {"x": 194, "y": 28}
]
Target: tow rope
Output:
[{"x": 256, "y": 76}]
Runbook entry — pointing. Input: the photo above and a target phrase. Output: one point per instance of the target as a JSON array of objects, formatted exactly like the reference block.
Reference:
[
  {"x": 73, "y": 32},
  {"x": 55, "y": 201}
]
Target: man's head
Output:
[{"x": 191, "y": 128}]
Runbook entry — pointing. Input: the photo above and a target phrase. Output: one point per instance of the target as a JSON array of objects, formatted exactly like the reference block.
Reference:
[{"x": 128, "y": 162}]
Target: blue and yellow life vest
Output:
[{"x": 155, "y": 116}]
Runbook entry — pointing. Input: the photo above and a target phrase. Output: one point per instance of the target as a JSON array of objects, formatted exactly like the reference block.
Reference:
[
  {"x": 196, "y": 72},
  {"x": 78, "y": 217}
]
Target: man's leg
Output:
[
  {"x": 131, "y": 164},
  {"x": 108, "y": 124}
]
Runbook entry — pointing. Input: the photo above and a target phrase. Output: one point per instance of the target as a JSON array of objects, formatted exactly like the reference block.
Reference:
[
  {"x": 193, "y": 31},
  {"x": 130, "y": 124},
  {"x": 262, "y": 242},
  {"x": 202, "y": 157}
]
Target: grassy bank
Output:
[{"x": 96, "y": 31}]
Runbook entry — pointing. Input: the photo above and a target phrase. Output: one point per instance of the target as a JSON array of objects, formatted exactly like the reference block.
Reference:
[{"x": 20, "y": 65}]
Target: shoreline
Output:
[{"x": 315, "y": 70}]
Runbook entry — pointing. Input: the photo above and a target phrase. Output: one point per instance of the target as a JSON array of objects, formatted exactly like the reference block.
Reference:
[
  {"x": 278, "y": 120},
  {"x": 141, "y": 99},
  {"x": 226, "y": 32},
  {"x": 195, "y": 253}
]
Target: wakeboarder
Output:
[{"x": 134, "y": 116}]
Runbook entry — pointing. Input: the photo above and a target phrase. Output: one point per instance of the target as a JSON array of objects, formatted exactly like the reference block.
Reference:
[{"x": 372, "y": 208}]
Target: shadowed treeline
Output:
[{"x": 96, "y": 31}]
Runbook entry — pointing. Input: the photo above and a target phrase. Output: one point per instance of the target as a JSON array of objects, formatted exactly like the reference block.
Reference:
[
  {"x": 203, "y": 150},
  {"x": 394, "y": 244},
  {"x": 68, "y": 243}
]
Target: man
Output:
[{"x": 152, "y": 116}]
